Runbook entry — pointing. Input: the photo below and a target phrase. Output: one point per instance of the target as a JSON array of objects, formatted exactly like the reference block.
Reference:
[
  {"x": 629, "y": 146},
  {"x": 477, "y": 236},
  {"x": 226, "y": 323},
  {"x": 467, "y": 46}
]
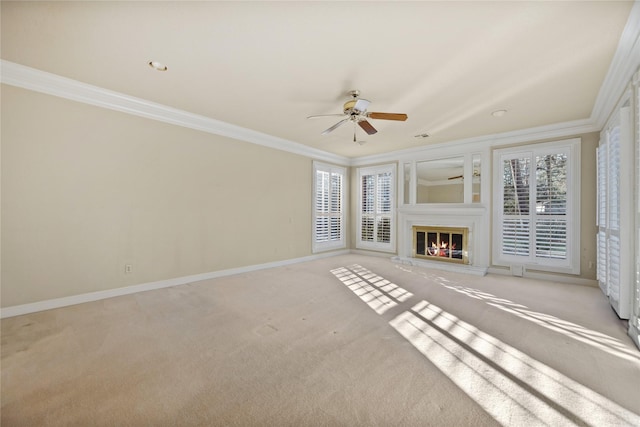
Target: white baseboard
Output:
[
  {"x": 366, "y": 252},
  {"x": 550, "y": 277},
  {"x": 18, "y": 310},
  {"x": 440, "y": 265},
  {"x": 634, "y": 333}
]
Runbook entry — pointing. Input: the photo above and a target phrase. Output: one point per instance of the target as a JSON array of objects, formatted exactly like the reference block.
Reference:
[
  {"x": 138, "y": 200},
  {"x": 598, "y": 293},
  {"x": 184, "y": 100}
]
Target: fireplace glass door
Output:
[{"x": 440, "y": 243}]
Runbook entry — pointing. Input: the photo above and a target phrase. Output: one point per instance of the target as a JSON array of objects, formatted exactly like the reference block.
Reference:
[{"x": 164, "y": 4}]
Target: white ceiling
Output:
[{"x": 266, "y": 66}]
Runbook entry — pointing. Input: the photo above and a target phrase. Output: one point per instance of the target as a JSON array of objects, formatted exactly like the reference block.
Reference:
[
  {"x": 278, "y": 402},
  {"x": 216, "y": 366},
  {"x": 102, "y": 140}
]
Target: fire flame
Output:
[{"x": 442, "y": 250}]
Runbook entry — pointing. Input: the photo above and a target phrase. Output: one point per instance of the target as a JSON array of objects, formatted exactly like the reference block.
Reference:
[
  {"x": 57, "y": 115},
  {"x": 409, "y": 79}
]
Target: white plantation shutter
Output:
[
  {"x": 601, "y": 265},
  {"x": 613, "y": 178},
  {"x": 613, "y": 267},
  {"x": 376, "y": 219},
  {"x": 615, "y": 213},
  {"x": 602, "y": 157},
  {"x": 610, "y": 252},
  {"x": 515, "y": 236},
  {"x": 367, "y": 195},
  {"x": 335, "y": 208},
  {"x": 322, "y": 206},
  {"x": 551, "y": 206},
  {"x": 328, "y": 219},
  {"x": 536, "y": 224},
  {"x": 384, "y": 207},
  {"x": 516, "y": 227}
]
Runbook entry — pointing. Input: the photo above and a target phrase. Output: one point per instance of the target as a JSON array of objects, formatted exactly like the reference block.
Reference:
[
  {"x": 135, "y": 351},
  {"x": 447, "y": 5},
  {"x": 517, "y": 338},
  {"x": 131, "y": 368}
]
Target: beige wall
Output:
[
  {"x": 588, "y": 178},
  {"x": 87, "y": 190}
]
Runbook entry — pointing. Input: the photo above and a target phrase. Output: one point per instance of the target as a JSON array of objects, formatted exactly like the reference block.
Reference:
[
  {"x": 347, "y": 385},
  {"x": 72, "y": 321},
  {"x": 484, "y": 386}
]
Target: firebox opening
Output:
[{"x": 441, "y": 243}]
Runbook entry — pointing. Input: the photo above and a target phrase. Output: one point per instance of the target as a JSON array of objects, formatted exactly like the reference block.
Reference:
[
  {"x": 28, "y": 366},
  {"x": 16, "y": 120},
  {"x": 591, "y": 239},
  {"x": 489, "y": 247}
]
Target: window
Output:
[
  {"x": 328, "y": 218},
  {"x": 615, "y": 211},
  {"x": 376, "y": 208},
  {"x": 536, "y": 208}
]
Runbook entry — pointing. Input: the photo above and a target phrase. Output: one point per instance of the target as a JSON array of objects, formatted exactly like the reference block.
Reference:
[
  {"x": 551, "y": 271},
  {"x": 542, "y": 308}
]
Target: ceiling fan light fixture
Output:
[
  {"x": 349, "y": 105},
  {"x": 157, "y": 66}
]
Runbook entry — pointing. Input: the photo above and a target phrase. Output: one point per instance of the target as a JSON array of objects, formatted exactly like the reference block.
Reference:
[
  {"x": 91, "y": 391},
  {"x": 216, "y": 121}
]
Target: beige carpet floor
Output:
[{"x": 343, "y": 341}]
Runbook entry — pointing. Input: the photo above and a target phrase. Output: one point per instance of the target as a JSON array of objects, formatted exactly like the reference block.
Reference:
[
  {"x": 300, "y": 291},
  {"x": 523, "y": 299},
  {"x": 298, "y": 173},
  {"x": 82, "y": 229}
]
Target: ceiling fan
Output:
[
  {"x": 476, "y": 174},
  {"x": 355, "y": 111}
]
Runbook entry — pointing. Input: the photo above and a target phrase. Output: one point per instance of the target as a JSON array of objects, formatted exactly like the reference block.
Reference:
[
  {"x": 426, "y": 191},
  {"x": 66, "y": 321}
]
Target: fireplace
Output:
[
  {"x": 471, "y": 221},
  {"x": 448, "y": 244}
]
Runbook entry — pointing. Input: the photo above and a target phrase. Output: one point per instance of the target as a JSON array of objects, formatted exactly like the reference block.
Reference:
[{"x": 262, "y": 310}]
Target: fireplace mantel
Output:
[{"x": 474, "y": 217}]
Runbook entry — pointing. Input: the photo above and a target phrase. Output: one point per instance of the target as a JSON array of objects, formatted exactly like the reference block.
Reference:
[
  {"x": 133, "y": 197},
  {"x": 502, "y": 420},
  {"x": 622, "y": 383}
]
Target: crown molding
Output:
[
  {"x": 479, "y": 143},
  {"x": 40, "y": 81},
  {"x": 624, "y": 64}
]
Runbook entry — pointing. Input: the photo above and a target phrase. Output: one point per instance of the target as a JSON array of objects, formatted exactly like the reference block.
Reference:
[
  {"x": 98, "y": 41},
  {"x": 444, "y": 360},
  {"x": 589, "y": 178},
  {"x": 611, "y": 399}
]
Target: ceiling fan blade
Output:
[
  {"x": 361, "y": 105},
  {"x": 366, "y": 126},
  {"x": 341, "y": 122},
  {"x": 388, "y": 116},
  {"x": 325, "y": 115}
]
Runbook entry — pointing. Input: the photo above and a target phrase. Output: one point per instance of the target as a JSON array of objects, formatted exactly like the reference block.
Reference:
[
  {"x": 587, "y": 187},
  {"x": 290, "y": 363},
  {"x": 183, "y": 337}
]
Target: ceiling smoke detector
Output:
[{"x": 157, "y": 66}]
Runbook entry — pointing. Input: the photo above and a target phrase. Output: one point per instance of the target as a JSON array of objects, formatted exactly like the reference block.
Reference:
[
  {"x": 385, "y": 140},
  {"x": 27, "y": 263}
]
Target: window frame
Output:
[
  {"x": 393, "y": 188},
  {"x": 570, "y": 265},
  {"x": 331, "y": 244}
]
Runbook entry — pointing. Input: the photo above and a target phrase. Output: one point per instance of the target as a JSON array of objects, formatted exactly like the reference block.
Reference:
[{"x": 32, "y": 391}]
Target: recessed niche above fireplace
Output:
[{"x": 448, "y": 244}]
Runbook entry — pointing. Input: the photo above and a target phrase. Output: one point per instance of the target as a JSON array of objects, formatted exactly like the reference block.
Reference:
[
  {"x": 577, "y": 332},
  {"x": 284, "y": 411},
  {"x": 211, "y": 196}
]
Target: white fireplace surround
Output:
[{"x": 474, "y": 217}]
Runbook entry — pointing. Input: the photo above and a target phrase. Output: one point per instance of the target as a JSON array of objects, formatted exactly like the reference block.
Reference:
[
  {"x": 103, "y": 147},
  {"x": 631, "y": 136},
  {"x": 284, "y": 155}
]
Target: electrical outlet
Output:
[{"x": 128, "y": 268}]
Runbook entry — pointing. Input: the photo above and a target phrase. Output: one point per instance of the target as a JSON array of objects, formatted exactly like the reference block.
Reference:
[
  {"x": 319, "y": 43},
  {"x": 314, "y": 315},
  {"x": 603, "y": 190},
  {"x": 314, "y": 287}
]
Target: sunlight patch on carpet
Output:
[
  {"x": 379, "y": 293},
  {"x": 579, "y": 333},
  {"x": 512, "y": 387}
]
